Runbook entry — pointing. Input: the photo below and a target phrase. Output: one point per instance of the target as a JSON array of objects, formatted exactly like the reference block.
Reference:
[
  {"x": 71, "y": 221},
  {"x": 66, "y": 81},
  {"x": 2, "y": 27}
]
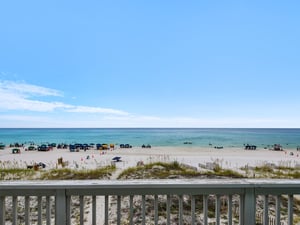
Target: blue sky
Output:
[{"x": 149, "y": 64}]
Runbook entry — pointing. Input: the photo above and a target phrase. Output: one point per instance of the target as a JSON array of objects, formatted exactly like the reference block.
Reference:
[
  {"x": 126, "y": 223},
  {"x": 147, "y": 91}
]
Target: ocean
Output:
[{"x": 204, "y": 137}]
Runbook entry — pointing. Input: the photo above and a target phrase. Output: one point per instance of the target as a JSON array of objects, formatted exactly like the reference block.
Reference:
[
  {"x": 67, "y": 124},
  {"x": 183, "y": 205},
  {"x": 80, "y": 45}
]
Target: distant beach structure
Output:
[
  {"x": 250, "y": 147},
  {"x": 277, "y": 147}
]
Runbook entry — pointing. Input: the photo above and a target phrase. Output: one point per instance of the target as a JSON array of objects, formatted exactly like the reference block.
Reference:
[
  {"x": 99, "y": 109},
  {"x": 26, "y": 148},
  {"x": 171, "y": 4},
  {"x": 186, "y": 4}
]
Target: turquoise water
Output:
[{"x": 288, "y": 138}]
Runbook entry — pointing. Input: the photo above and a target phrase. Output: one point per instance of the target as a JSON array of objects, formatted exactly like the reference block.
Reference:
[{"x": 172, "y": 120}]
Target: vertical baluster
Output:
[
  {"x": 290, "y": 209},
  {"x": 144, "y": 210},
  {"x": 218, "y": 209},
  {"x": 48, "y": 210},
  {"x": 94, "y": 210},
  {"x": 230, "y": 210},
  {"x": 81, "y": 200},
  {"x": 241, "y": 212},
  {"x": 266, "y": 210},
  {"x": 2, "y": 210},
  {"x": 155, "y": 209},
  {"x": 193, "y": 209},
  {"x": 40, "y": 210},
  {"x": 106, "y": 209},
  {"x": 61, "y": 207},
  {"x": 131, "y": 210},
  {"x": 248, "y": 207},
  {"x": 118, "y": 210},
  {"x": 205, "y": 208},
  {"x": 68, "y": 209},
  {"x": 14, "y": 211},
  {"x": 168, "y": 209},
  {"x": 180, "y": 210},
  {"x": 278, "y": 202},
  {"x": 27, "y": 210}
]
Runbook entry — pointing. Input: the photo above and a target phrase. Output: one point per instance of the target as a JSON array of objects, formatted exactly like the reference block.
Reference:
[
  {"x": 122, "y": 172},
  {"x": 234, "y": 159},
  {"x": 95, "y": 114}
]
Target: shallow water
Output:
[{"x": 288, "y": 138}]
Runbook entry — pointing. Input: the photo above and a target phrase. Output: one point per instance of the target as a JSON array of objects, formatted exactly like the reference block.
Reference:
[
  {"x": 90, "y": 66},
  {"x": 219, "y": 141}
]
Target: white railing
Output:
[{"x": 222, "y": 201}]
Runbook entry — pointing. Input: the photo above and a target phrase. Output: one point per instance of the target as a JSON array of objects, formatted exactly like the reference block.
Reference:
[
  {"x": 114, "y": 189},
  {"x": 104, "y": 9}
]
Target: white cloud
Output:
[
  {"x": 87, "y": 109},
  {"x": 193, "y": 122},
  {"x": 18, "y": 96},
  {"x": 28, "y": 100},
  {"x": 96, "y": 121},
  {"x": 20, "y": 88},
  {"x": 10, "y": 100}
]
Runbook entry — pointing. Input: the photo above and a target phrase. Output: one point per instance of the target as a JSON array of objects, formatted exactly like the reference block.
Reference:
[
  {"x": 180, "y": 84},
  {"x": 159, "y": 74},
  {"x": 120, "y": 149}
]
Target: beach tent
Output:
[{"x": 16, "y": 150}]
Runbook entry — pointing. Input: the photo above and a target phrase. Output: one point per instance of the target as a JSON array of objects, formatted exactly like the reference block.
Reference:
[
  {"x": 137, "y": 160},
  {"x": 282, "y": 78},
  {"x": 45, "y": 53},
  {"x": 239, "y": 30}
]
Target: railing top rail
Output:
[
  {"x": 174, "y": 183},
  {"x": 150, "y": 187}
]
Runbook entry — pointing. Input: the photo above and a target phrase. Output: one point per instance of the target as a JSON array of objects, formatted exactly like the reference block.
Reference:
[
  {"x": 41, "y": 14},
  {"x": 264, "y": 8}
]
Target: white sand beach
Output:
[{"x": 232, "y": 158}]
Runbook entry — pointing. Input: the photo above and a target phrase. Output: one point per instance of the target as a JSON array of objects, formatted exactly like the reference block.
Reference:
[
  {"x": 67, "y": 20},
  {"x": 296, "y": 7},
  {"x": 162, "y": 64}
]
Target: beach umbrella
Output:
[{"x": 116, "y": 158}]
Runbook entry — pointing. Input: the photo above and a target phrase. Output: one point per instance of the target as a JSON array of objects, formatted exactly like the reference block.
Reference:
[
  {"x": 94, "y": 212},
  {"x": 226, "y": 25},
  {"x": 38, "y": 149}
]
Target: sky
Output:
[{"x": 149, "y": 64}]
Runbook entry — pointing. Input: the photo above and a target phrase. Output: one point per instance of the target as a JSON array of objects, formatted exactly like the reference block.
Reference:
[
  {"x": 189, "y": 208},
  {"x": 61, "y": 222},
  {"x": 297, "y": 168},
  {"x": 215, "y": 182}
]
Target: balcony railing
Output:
[{"x": 222, "y": 201}]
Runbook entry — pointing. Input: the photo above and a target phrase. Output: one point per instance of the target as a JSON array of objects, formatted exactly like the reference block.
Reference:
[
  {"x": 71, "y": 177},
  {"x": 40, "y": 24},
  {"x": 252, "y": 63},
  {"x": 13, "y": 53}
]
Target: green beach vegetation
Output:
[
  {"x": 155, "y": 170},
  {"x": 13, "y": 172},
  {"x": 272, "y": 171},
  {"x": 163, "y": 170},
  {"x": 71, "y": 174}
]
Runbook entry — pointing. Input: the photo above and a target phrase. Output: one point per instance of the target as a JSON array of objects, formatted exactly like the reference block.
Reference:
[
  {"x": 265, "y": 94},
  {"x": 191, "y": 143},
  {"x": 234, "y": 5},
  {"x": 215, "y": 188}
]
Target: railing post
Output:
[
  {"x": 27, "y": 210},
  {"x": 230, "y": 210},
  {"x": 155, "y": 209},
  {"x": 2, "y": 210},
  {"x": 119, "y": 210},
  {"x": 168, "y": 209},
  {"x": 40, "y": 210},
  {"x": 249, "y": 207},
  {"x": 218, "y": 210},
  {"x": 205, "y": 209},
  {"x": 290, "y": 209},
  {"x": 131, "y": 209},
  {"x": 68, "y": 199},
  {"x": 48, "y": 210},
  {"x": 180, "y": 210},
  {"x": 193, "y": 207},
  {"x": 94, "y": 210},
  {"x": 143, "y": 209},
  {"x": 81, "y": 200},
  {"x": 106, "y": 201},
  {"x": 277, "y": 208},
  {"x": 266, "y": 210},
  {"x": 61, "y": 207},
  {"x": 15, "y": 209}
]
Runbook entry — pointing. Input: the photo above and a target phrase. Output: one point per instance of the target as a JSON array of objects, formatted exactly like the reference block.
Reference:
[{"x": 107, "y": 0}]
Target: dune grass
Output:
[
  {"x": 69, "y": 174},
  {"x": 16, "y": 174},
  {"x": 156, "y": 170},
  {"x": 162, "y": 170},
  {"x": 274, "y": 172},
  {"x": 56, "y": 174}
]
